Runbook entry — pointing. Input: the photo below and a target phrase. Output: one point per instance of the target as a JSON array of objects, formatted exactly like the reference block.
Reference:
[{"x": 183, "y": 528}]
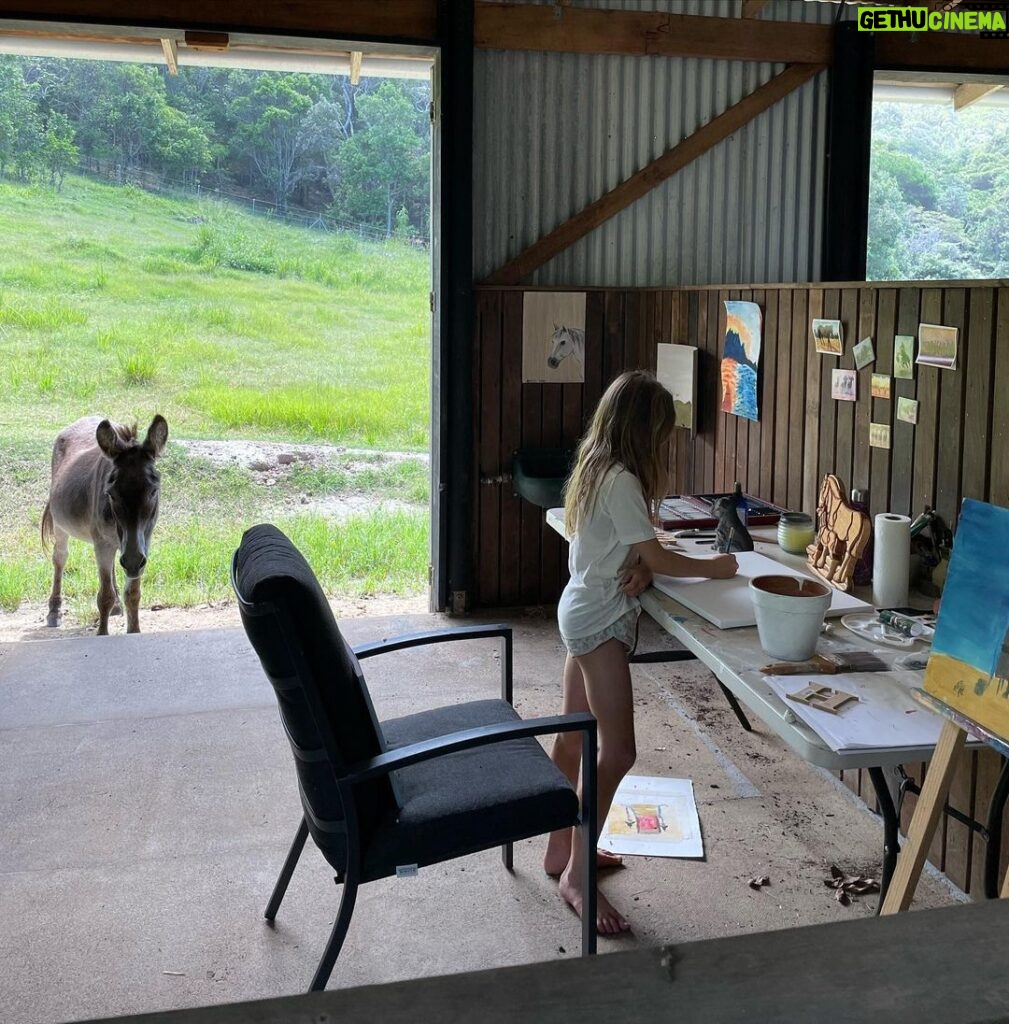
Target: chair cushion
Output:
[{"x": 470, "y": 800}]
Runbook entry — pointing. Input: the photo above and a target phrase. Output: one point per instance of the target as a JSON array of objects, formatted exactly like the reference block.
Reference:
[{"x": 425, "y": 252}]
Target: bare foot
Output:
[
  {"x": 609, "y": 921},
  {"x": 555, "y": 860}
]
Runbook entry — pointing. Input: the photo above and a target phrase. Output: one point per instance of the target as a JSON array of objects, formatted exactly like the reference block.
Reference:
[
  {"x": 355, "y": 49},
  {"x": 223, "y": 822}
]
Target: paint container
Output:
[
  {"x": 789, "y": 612},
  {"x": 795, "y": 532}
]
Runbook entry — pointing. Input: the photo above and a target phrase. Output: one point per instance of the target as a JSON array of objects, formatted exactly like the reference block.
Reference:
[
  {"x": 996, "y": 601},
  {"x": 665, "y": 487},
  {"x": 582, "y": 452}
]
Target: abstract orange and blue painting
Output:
[
  {"x": 968, "y": 669},
  {"x": 741, "y": 359}
]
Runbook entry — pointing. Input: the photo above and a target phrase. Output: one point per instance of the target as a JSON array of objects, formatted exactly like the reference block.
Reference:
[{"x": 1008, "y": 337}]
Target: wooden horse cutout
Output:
[{"x": 841, "y": 536}]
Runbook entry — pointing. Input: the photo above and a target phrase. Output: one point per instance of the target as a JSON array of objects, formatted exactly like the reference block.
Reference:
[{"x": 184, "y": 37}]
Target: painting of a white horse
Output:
[
  {"x": 566, "y": 342},
  {"x": 553, "y": 337}
]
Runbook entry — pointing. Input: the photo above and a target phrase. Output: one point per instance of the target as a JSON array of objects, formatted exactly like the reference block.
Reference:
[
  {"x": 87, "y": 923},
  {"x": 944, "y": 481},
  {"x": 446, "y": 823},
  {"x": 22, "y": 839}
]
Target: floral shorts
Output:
[{"x": 625, "y": 629}]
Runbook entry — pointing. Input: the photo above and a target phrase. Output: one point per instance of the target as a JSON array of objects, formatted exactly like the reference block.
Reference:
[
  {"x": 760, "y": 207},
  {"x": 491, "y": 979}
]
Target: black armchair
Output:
[{"x": 409, "y": 791}]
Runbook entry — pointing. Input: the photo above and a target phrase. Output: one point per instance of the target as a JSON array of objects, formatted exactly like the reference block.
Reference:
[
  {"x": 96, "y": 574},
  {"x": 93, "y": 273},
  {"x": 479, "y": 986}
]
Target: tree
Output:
[
  {"x": 20, "y": 126},
  {"x": 272, "y": 131},
  {"x": 58, "y": 150},
  {"x": 385, "y": 164}
]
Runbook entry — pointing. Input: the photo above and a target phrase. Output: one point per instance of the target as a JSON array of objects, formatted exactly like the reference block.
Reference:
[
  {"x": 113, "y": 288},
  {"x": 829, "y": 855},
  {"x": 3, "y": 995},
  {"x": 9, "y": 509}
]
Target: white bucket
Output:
[{"x": 789, "y": 611}]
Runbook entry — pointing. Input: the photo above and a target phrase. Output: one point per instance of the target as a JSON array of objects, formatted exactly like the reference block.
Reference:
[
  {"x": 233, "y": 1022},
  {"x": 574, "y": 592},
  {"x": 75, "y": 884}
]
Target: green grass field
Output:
[{"x": 116, "y": 302}]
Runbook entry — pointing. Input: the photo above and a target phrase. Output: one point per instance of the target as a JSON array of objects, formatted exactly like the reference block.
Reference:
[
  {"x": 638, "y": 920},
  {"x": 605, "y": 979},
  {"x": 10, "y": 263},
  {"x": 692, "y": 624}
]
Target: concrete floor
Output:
[{"x": 148, "y": 800}]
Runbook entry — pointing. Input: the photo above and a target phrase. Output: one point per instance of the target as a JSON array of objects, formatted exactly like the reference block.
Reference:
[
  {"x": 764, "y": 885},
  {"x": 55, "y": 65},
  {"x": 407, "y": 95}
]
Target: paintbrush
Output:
[{"x": 829, "y": 664}]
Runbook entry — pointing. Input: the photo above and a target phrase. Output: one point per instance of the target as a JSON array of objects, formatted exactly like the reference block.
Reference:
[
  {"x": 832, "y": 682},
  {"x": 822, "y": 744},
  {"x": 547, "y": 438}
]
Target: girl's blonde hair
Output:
[{"x": 631, "y": 425}]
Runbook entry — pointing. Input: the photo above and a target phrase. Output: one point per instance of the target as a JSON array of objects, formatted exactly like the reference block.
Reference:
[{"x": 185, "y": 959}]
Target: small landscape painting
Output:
[
  {"x": 828, "y": 337},
  {"x": 880, "y": 385},
  {"x": 879, "y": 435},
  {"x": 907, "y": 410},
  {"x": 843, "y": 385},
  {"x": 741, "y": 359},
  {"x": 937, "y": 346},
  {"x": 903, "y": 356},
  {"x": 864, "y": 353}
]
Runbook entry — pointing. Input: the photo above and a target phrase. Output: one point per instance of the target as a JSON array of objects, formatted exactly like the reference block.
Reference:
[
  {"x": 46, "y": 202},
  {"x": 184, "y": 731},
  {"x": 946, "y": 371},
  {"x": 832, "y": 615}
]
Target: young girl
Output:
[{"x": 610, "y": 501}]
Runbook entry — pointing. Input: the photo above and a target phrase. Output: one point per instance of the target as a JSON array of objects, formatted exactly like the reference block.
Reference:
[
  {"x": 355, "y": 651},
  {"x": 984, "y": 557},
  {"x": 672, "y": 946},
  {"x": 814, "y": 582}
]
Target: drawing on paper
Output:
[
  {"x": 654, "y": 817},
  {"x": 880, "y": 385},
  {"x": 828, "y": 337},
  {"x": 553, "y": 337},
  {"x": 903, "y": 356},
  {"x": 741, "y": 359},
  {"x": 879, "y": 435},
  {"x": 907, "y": 410},
  {"x": 969, "y": 665},
  {"x": 937, "y": 346},
  {"x": 864, "y": 353},
  {"x": 844, "y": 385},
  {"x": 676, "y": 371}
]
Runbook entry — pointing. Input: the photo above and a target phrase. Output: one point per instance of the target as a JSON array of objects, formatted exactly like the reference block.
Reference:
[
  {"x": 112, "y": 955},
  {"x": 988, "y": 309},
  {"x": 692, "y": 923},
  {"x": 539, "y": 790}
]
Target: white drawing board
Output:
[{"x": 727, "y": 603}]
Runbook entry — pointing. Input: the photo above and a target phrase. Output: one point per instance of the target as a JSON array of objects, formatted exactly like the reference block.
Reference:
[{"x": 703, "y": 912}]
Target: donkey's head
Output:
[{"x": 132, "y": 488}]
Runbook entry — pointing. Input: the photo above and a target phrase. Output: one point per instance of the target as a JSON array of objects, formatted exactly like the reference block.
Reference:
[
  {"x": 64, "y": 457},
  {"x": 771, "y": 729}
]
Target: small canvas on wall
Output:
[
  {"x": 741, "y": 359},
  {"x": 676, "y": 371},
  {"x": 937, "y": 346},
  {"x": 844, "y": 385},
  {"x": 553, "y": 337},
  {"x": 828, "y": 337},
  {"x": 903, "y": 356}
]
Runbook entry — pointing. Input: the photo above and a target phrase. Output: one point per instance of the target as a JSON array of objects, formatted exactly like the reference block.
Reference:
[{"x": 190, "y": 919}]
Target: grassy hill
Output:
[{"x": 121, "y": 303}]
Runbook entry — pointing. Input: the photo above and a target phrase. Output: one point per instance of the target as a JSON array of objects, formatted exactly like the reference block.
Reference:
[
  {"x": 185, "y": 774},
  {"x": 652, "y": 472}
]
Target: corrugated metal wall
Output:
[{"x": 553, "y": 132}]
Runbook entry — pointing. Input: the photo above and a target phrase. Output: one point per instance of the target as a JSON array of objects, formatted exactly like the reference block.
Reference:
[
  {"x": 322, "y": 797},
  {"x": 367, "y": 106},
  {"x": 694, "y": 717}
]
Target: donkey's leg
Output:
[
  {"x": 117, "y": 607},
  {"x": 105, "y": 557},
  {"x": 132, "y": 593},
  {"x": 60, "y": 550}
]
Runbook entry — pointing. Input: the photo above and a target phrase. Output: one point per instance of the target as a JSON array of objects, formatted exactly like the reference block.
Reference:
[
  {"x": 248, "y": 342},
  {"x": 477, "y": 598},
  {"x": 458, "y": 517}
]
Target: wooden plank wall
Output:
[{"x": 956, "y": 450}]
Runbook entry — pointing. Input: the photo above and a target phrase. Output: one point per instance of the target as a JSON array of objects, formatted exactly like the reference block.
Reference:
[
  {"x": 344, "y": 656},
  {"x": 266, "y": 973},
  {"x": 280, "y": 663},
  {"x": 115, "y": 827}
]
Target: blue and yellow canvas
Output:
[
  {"x": 741, "y": 359},
  {"x": 969, "y": 665}
]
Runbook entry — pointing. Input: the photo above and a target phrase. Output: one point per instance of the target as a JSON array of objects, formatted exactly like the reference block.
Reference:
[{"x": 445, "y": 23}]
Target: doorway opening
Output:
[{"x": 234, "y": 232}]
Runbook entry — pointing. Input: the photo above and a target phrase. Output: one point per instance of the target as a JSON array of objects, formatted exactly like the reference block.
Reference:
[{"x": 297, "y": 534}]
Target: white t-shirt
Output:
[{"x": 593, "y": 600}]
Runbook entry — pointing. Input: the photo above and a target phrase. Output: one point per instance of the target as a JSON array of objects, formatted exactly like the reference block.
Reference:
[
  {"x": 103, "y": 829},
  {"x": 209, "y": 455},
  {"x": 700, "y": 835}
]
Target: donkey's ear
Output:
[
  {"x": 157, "y": 435},
  {"x": 108, "y": 440}
]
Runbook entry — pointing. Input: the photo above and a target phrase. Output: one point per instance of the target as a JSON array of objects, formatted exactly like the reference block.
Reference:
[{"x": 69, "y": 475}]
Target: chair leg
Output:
[
  {"x": 339, "y": 932},
  {"x": 287, "y": 870},
  {"x": 590, "y": 834},
  {"x": 506, "y": 857}
]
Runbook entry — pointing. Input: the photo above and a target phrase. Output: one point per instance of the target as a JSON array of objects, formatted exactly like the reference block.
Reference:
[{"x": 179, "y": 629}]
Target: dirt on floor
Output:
[{"x": 29, "y": 621}]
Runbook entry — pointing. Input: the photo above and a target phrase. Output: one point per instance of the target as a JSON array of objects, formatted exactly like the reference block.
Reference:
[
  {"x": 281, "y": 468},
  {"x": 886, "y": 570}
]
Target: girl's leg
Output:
[
  {"x": 607, "y": 683},
  {"x": 567, "y": 755}
]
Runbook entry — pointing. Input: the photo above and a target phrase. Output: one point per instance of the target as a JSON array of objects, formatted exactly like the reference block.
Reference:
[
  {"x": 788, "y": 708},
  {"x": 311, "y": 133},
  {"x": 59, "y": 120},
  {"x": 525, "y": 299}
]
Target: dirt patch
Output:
[{"x": 29, "y": 621}]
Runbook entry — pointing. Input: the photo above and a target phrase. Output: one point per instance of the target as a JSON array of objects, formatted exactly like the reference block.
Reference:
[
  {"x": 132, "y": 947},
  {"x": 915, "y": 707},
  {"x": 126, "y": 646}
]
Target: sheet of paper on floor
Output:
[
  {"x": 886, "y": 714},
  {"x": 653, "y": 817}
]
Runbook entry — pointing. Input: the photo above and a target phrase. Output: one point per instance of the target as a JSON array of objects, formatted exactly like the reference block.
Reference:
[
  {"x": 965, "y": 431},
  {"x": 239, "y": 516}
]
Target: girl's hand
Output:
[
  {"x": 636, "y": 579},
  {"x": 722, "y": 568}
]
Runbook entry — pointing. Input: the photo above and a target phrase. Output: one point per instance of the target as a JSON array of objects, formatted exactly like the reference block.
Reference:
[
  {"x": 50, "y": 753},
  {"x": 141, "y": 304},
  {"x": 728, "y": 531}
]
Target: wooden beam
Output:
[
  {"x": 401, "y": 20},
  {"x": 940, "y": 51},
  {"x": 171, "y": 50},
  {"x": 508, "y": 26},
  {"x": 215, "y": 42},
  {"x": 356, "y": 56},
  {"x": 638, "y": 184},
  {"x": 752, "y": 8},
  {"x": 970, "y": 92}
]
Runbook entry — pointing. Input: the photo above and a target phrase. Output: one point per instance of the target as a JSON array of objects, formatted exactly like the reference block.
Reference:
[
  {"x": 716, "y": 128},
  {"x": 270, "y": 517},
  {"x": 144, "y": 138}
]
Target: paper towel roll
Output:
[{"x": 891, "y": 560}]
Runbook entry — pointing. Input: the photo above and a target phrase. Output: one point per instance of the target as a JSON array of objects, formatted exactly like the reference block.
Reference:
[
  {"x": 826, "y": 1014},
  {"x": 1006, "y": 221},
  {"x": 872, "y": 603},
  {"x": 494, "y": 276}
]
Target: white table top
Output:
[{"x": 734, "y": 656}]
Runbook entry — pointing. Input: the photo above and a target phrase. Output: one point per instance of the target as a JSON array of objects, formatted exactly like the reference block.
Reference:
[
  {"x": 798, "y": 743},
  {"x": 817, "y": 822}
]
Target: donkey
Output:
[{"x": 104, "y": 490}]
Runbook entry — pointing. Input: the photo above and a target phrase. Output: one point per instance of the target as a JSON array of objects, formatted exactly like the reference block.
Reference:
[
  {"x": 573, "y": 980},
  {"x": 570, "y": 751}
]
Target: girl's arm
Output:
[{"x": 672, "y": 563}]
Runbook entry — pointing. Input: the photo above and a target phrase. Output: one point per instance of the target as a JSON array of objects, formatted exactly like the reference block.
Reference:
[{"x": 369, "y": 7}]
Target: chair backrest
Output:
[{"x": 324, "y": 704}]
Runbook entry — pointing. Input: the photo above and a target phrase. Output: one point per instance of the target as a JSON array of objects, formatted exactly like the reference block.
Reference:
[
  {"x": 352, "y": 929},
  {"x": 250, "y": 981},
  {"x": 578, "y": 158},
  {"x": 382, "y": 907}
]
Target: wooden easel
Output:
[{"x": 932, "y": 799}]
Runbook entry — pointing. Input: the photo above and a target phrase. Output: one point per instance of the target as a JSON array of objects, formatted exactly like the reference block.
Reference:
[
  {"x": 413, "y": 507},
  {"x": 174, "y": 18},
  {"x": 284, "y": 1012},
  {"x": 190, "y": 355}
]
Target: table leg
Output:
[
  {"x": 734, "y": 704},
  {"x": 891, "y": 824}
]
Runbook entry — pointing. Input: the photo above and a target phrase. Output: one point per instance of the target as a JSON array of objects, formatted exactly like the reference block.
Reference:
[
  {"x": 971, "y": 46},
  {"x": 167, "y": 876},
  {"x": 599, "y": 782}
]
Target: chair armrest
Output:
[
  {"x": 438, "y": 636},
  {"x": 466, "y": 739}
]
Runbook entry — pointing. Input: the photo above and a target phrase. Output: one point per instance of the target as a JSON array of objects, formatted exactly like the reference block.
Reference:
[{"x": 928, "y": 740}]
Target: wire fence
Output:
[{"x": 314, "y": 220}]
